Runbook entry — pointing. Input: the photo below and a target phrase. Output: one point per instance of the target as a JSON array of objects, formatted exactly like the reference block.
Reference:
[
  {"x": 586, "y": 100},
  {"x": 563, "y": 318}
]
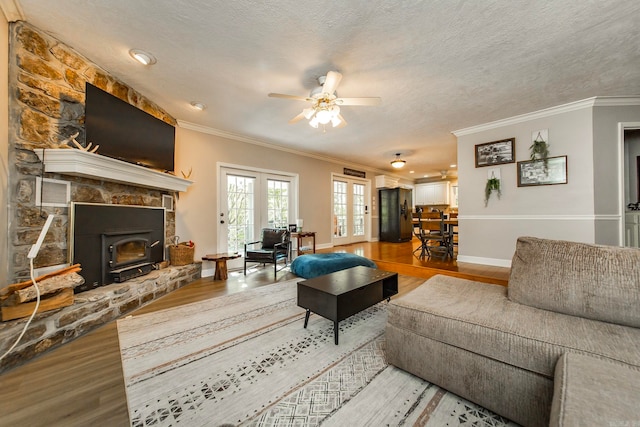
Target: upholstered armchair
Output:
[{"x": 273, "y": 247}]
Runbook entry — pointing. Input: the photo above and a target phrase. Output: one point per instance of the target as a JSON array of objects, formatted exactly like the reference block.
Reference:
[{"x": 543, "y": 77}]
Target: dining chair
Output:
[
  {"x": 417, "y": 231},
  {"x": 453, "y": 229},
  {"x": 433, "y": 230}
]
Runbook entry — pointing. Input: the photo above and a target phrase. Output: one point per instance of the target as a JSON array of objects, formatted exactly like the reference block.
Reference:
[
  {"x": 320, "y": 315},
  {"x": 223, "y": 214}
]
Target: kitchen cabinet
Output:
[{"x": 432, "y": 193}]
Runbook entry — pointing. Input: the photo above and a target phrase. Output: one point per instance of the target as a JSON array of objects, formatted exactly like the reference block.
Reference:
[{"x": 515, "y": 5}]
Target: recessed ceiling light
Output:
[
  {"x": 198, "y": 105},
  {"x": 453, "y": 166},
  {"x": 411, "y": 171},
  {"x": 425, "y": 176},
  {"x": 145, "y": 58}
]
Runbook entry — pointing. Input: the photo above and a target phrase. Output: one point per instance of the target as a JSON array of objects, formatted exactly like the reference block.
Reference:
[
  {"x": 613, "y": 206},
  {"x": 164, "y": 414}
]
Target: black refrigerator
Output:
[{"x": 395, "y": 206}]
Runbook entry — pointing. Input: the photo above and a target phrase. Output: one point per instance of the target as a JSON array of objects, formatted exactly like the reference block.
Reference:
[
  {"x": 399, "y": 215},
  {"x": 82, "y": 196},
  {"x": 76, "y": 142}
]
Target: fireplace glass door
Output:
[{"x": 129, "y": 251}]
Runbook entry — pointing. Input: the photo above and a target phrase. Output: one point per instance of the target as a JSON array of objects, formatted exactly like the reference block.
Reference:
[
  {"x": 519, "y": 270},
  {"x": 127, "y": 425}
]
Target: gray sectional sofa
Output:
[{"x": 559, "y": 345}]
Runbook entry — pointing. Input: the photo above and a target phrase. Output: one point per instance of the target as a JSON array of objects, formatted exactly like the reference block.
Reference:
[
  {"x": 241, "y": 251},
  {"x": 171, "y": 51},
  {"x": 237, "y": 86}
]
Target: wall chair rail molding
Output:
[
  {"x": 587, "y": 217},
  {"x": 90, "y": 165}
]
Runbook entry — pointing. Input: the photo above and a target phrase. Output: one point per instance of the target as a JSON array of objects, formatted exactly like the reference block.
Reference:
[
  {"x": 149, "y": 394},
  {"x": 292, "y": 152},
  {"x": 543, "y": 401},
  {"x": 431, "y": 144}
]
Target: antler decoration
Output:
[
  {"x": 187, "y": 175},
  {"x": 79, "y": 146}
]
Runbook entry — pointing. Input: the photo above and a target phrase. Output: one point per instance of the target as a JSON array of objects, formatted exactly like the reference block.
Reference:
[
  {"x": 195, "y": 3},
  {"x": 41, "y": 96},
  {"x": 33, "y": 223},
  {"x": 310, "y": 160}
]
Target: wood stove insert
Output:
[{"x": 114, "y": 243}]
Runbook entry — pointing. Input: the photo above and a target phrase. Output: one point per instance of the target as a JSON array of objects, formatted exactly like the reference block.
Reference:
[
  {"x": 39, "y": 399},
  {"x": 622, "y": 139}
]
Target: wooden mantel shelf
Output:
[{"x": 69, "y": 161}]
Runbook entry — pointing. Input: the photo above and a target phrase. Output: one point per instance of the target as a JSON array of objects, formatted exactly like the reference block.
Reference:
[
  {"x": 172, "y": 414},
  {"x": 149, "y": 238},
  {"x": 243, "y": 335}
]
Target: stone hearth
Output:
[{"x": 90, "y": 310}]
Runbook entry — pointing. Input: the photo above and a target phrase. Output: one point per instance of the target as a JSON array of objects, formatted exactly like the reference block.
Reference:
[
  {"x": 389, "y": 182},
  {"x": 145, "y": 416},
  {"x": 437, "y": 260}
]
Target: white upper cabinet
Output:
[{"x": 432, "y": 193}]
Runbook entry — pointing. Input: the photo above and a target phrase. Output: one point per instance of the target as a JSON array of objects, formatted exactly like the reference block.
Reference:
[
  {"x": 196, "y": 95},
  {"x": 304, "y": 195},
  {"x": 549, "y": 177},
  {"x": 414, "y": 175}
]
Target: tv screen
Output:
[{"x": 127, "y": 133}]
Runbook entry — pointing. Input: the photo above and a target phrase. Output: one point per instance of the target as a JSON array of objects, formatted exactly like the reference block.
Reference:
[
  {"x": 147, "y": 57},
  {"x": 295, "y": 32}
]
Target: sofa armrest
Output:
[{"x": 594, "y": 391}]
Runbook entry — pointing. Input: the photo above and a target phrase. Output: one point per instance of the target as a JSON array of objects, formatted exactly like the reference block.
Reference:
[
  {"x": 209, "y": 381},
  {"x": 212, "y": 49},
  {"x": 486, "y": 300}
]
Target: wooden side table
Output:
[
  {"x": 299, "y": 235},
  {"x": 221, "y": 264}
]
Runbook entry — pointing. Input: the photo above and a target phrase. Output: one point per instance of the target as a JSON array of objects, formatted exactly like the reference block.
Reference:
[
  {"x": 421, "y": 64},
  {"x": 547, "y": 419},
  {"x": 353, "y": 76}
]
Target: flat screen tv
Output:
[{"x": 127, "y": 133}]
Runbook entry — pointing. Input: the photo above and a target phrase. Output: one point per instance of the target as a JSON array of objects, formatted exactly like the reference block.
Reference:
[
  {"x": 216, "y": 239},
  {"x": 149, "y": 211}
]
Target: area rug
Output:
[{"x": 245, "y": 359}]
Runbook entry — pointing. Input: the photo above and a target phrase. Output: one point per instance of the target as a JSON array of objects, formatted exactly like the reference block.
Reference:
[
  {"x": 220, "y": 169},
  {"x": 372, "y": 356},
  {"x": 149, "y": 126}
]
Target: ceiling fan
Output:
[{"x": 325, "y": 104}]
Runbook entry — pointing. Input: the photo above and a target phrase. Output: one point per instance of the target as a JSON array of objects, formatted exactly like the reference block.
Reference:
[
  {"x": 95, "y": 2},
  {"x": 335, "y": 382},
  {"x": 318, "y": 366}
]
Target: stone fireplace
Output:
[{"x": 46, "y": 107}]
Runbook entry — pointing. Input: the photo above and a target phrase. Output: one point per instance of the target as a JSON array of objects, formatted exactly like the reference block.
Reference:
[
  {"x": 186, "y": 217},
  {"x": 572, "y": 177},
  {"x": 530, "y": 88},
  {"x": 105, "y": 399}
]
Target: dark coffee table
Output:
[{"x": 344, "y": 293}]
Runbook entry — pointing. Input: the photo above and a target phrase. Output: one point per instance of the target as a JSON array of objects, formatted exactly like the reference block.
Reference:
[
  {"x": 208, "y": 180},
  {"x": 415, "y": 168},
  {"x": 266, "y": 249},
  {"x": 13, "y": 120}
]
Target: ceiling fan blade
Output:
[
  {"x": 297, "y": 98},
  {"x": 297, "y": 118},
  {"x": 331, "y": 82},
  {"x": 358, "y": 101},
  {"x": 343, "y": 122}
]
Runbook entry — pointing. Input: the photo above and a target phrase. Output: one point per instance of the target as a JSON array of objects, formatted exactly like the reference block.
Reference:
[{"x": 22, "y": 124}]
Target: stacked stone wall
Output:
[{"x": 46, "y": 106}]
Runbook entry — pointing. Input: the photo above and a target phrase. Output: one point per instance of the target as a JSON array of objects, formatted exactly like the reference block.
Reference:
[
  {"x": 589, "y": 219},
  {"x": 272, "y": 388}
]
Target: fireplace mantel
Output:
[{"x": 90, "y": 165}]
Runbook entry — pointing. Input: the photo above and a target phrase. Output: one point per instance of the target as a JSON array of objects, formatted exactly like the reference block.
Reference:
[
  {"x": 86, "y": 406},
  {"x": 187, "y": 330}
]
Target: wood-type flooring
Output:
[{"x": 81, "y": 383}]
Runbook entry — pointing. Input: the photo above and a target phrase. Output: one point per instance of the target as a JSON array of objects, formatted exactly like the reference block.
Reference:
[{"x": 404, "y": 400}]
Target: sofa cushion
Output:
[
  {"x": 591, "y": 281},
  {"x": 594, "y": 391},
  {"x": 479, "y": 318},
  {"x": 313, "y": 265}
]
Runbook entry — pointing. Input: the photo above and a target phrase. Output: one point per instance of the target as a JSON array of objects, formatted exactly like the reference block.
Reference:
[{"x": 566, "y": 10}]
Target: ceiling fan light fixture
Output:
[
  {"x": 314, "y": 122},
  {"x": 324, "y": 116},
  {"x": 145, "y": 58},
  {"x": 336, "y": 121},
  {"x": 398, "y": 162}
]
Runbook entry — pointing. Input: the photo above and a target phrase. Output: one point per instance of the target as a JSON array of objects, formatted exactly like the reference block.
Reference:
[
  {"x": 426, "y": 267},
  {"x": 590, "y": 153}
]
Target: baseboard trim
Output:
[{"x": 496, "y": 262}]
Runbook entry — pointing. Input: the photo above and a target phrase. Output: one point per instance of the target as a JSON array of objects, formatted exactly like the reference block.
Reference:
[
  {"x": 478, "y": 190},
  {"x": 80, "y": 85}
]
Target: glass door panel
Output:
[
  {"x": 359, "y": 212},
  {"x": 350, "y": 211},
  {"x": 278, "y": 202}
]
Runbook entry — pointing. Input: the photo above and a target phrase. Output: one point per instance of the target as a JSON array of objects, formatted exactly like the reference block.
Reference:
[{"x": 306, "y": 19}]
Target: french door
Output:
[
  {"x": 249, "y": 201},
  {"x": 350, "y": 220}
]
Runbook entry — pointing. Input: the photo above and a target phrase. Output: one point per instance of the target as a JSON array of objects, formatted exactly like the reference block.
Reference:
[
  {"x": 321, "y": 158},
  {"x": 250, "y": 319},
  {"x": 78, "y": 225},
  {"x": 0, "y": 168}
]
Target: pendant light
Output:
[{"x": 398, "y": 162}]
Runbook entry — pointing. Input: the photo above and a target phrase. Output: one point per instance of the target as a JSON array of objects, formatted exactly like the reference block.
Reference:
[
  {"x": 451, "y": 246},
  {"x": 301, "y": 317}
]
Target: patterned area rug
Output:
[{"x": 245, "y": 359}]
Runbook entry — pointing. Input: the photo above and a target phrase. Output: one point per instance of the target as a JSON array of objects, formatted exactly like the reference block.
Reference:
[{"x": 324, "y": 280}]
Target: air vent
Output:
[{"x": 52, "y": 192}]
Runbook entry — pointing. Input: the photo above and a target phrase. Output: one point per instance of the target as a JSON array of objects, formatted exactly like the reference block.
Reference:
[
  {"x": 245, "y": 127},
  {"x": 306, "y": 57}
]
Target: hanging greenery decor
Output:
[
  {"x": 493, "y": 184},
  {"x": 540, "y": 151}
]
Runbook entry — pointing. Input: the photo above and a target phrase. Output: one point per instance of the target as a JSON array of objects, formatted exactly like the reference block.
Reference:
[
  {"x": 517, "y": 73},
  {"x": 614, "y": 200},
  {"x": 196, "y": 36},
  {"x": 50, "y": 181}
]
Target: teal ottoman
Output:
[{"x": 314, "y": 265}]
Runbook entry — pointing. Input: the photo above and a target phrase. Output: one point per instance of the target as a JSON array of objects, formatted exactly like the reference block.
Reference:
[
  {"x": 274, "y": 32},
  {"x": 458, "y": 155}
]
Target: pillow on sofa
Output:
[{"x": 590, "y": 281}]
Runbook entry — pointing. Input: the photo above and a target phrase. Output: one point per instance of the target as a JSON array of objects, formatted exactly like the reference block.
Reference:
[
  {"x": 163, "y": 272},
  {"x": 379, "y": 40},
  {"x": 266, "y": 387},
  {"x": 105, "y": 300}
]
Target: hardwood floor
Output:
[
  {"x": 81, "y": 383},
  {"x": 399, "y": 257}
]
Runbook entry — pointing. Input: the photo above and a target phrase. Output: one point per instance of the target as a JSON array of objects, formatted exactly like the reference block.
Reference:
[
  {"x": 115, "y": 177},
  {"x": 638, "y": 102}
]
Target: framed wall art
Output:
[
  {"x": 534, "y": 172},
  {"x": 496, "y": 152}
]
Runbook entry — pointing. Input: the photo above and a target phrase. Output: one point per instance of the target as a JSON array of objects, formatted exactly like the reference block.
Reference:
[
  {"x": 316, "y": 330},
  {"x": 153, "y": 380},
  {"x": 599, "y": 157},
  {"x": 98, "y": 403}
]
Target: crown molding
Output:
[
  {"x": 12, "y": 10},
  {"x": 249, "y": 140},
  {"x": 596, "y": 101}
]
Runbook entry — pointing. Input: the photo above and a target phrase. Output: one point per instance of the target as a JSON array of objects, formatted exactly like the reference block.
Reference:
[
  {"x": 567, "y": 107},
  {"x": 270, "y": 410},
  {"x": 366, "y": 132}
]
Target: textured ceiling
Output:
[{"x": 437, "y": 65}]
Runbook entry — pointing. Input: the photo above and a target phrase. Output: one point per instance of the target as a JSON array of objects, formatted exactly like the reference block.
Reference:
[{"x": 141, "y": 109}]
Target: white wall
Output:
[
  {"x": 196, "y": 210},
  {"x": 4, "y": 148},
  {"x": 568, "y": 211}
]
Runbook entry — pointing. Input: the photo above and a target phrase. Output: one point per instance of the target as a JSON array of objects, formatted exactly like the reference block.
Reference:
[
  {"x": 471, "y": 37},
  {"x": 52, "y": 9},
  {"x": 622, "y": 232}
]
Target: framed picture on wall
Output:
[
  {"x": 534, "y": 172},
  {"x": 293, "y": 228},
  {"x": 496, "y": 152}
]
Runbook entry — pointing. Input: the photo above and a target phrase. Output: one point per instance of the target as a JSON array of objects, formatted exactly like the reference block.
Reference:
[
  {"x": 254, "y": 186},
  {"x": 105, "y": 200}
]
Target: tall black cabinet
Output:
[{"x": 395, "y": 214}]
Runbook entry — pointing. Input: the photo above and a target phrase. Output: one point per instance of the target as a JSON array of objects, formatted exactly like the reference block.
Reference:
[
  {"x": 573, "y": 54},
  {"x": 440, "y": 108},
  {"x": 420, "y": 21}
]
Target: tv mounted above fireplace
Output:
[{"x": 127, "y": 133}]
